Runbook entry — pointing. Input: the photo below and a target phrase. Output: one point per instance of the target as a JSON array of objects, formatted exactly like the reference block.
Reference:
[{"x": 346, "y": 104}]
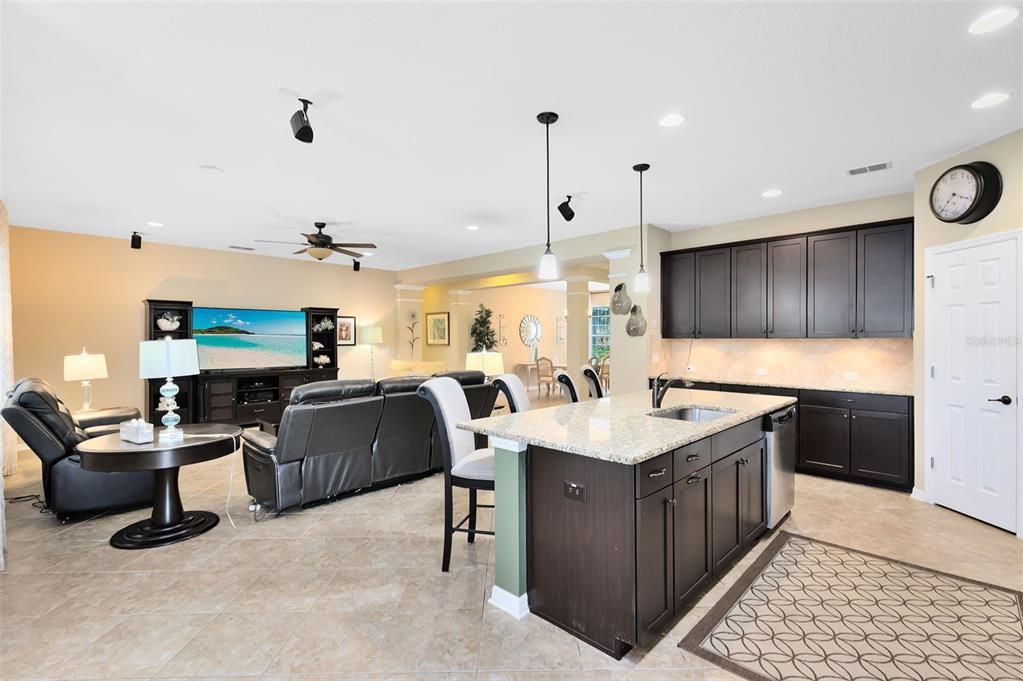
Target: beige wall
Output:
[
  {"x": 1007, "y": 154},
  {"x": 71, "y": 290}
]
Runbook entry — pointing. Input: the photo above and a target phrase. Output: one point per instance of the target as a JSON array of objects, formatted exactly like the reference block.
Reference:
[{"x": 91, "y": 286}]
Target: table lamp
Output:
[
  {"x": 168, "y": 358},
  {"x": 490, "y": 363},
  {"x": 371, "y": 335},
  {"x": 84, "y": 368}
]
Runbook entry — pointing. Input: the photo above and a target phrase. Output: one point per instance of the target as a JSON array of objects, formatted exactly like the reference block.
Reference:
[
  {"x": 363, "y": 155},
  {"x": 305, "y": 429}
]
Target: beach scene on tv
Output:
[{"x": 248, "y": 339}]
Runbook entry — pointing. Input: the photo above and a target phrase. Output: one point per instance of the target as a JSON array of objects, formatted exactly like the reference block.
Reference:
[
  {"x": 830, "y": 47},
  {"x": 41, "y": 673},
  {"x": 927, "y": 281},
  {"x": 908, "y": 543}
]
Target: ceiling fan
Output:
[{"x": 321, "y": 246}]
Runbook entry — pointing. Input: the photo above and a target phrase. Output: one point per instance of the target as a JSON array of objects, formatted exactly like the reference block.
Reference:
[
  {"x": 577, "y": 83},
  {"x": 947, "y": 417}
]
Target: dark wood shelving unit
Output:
[{"x": 321, "y": 328}]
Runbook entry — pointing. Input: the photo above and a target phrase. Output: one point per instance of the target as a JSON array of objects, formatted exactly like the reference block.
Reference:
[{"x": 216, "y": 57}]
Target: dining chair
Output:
[
  {"x": 605, "y": 372},
  {"x": 544, "y": 374},
  {"x": 592, "y": 381},
  {"x": 515, "y": 393},
  {"x": 568, "y": 390},
  {"x": 464, "y": 465}
]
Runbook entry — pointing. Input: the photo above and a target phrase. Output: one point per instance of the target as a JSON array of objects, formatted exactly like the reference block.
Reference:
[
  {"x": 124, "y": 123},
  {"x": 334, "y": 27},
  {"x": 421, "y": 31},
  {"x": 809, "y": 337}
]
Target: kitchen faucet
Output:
[{"x": 658, "y": 392}]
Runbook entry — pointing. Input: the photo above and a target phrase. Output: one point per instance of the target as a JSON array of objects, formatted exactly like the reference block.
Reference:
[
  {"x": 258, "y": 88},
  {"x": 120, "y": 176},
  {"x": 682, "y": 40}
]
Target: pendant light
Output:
[
  {"x": 642, "y": 282},
  {"x": 548, "y": 263}
]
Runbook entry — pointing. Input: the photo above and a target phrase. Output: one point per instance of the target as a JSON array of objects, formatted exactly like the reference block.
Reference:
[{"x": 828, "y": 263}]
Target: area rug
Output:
[{"x": 807, "y": 609}]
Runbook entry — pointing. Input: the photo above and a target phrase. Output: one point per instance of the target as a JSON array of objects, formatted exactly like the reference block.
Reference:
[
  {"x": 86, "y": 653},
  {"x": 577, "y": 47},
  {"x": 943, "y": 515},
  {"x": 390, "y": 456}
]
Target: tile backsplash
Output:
[{"x": 881, "y": 363}]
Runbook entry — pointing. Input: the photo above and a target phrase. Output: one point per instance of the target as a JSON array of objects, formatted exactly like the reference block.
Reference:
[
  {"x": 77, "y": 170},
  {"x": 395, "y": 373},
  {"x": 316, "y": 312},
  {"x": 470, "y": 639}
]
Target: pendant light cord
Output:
[
  {"x": 547, "y": 135},
  {"x": 641, "y": 220}
]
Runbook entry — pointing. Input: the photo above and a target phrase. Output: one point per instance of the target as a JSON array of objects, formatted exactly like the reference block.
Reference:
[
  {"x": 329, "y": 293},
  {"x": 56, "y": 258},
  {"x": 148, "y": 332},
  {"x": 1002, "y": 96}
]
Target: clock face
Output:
[{"x": 955, "y": 194}]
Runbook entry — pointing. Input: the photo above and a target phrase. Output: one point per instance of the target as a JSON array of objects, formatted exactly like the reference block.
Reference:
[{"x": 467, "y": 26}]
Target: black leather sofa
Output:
[
  {"x": 336, "y": 437},
  {"x": 50, "y": 430}
]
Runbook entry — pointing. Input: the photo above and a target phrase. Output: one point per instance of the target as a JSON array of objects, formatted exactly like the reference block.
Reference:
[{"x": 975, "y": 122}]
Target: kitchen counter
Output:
[
  {"x": 620, "y": 428},
  {"x": 846, "y": 387}
]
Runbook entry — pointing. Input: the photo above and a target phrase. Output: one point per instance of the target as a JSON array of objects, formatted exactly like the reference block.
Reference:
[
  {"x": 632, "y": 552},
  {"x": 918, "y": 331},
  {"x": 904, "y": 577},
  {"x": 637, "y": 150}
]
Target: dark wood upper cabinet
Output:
[
  {"x": 678, "y": 295},
  {"x": 655, "y": 579},
  {"x": 713, "y": 297},
  {"x": 692, "y": 535},
  {"x": 749, "y": 291},
  {"x": 831, "y": 285},
  {"x": 823, "y": 438},
  {"x": 884, "y": 282},
  {"x": 879, "y": 446},
  {"x": 786, "y": 288}
]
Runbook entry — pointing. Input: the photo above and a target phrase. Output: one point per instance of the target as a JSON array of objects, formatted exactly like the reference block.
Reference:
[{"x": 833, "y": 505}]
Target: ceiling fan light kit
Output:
[
  {"x": 321, "y": 246},
  {"x": 548, "y": 262}
]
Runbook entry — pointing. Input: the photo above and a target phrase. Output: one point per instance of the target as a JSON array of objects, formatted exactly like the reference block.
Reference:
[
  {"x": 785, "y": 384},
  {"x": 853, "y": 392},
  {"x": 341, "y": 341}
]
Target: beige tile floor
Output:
[{"x": 353, "y": 590}]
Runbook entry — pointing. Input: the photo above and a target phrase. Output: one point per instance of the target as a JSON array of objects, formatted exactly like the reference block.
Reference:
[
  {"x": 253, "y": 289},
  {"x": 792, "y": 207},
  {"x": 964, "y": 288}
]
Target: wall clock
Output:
[
  {"x": 966, "y": 193},
  {"x": 530, "y": 330}
]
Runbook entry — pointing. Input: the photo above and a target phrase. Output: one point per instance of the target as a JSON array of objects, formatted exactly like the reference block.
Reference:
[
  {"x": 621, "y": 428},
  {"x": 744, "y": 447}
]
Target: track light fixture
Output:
[
  {"x": 300, "y": 123},
  {"x": 356, "y": 265},
  {"x": 566, "y": 210},
  {"x": 136, "y": 241}
]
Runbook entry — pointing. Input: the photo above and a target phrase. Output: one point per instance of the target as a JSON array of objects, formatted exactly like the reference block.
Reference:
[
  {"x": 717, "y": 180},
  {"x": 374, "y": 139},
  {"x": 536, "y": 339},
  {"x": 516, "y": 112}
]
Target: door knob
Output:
[{"x": 1004, "y": 399}]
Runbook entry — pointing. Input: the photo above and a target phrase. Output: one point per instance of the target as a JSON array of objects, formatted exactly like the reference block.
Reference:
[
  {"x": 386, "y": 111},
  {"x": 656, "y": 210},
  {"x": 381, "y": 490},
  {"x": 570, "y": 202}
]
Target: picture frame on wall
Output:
[
  {"x": 345, "y": 331},
  {"x": 438, "y": 328}
]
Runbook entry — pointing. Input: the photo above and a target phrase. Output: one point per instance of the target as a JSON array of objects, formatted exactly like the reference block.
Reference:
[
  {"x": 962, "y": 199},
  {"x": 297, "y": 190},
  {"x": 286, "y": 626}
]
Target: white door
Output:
[{"x": 972, "y": 403}]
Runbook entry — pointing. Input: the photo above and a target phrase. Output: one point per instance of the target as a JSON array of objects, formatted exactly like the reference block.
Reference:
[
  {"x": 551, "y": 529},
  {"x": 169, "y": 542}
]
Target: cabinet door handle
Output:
[
  {"x": 258, "y": 411},
  {"x": 657, "y": 474},
  {"x": 1004, "y": 399},
  {"x": 694, "y": 479},
  {"x": 692, "y": 457},
  {"x": 845, "y": 416},
  {"x": 854, "y": 417},
  {"x": 671, "y": 501}
]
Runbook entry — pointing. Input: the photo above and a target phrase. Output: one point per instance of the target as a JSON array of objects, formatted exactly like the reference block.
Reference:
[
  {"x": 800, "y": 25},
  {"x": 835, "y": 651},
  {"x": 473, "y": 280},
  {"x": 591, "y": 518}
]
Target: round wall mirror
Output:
[{"x": 530, "y": 330}]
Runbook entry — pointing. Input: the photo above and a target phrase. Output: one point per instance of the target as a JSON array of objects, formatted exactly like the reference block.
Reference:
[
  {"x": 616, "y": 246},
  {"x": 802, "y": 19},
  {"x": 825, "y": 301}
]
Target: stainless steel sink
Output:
[{"x": 699, "y": 414}]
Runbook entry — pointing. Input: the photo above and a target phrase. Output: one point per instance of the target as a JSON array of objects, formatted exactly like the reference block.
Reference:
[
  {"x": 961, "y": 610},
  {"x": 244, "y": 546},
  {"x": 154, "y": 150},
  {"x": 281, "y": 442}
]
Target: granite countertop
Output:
[
  {"x": 620, "y": 428},
  {"x": 848, "y": 387}
]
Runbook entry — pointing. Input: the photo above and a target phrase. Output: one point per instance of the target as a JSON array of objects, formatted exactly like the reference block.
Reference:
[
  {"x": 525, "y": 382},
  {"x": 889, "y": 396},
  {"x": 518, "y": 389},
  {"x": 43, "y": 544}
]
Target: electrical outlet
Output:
[
  {"x": 761, "y": 371},
  {"x": 850, "y": 375},
  {"x": 575, "y": 491}
]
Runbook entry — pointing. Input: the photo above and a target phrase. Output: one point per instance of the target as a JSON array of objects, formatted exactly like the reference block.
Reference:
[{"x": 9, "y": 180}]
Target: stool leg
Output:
[
  {"x": 446, "y": 561},
  {"x": 472, "y": 515}
]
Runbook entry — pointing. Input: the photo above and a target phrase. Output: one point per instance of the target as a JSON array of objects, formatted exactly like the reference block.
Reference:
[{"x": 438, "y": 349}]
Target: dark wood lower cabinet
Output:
[
  {"x": 726, "y": 537},
  {"x": 655, "y": 558},
  {"x": 824, "y": 438},
  {"x": 879, "y": 446},
  {"x": 693, "y": 567},
  {"x": 752, "y": 487}
]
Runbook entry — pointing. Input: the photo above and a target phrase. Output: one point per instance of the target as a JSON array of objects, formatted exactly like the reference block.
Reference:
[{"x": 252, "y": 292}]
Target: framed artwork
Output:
[
  {"x": 345, "y": 330},
  {"x": 437, "y": 328}
]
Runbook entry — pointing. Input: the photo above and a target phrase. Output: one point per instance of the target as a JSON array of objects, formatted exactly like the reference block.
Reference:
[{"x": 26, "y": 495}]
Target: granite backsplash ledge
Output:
[{"x": 830, "y": 363}]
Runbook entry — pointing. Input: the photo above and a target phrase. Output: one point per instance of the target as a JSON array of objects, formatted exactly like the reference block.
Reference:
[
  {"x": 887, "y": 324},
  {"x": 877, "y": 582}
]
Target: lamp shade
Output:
[
  {"x": 490, "y": 363},
  {"x": 167, "y": 358},
  {"x": 371, "y": 335},
  {"x": 84, "y": 367}
]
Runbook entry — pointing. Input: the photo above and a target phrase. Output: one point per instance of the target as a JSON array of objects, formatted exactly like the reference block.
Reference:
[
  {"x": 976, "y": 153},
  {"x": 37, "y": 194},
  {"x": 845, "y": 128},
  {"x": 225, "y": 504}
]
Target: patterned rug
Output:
[{"x": 811, "y": 610}]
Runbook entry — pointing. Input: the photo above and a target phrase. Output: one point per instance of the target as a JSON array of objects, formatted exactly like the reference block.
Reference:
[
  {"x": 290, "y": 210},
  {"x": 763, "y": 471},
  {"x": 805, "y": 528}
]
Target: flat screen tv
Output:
[{"x": 248, "y": 339}]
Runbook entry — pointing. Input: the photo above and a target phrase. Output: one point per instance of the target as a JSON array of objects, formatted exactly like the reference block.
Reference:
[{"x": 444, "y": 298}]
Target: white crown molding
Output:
[{"x": 617, "y": 254}]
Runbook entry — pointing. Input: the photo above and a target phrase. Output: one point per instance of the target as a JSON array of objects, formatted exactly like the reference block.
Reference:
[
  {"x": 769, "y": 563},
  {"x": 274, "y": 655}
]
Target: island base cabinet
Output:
[
  {"x": 693, "y": 568},
  {"x": 655, "y": 558},
  {"x": 738, "y": 513}
]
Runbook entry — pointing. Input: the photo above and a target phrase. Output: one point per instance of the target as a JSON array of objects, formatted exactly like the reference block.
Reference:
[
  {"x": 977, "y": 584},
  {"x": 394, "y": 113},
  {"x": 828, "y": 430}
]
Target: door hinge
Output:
[
  {"x": 932, "y": 463},
  {"x": 930, "y": 277},
  {"x": 932, "y": 371}
]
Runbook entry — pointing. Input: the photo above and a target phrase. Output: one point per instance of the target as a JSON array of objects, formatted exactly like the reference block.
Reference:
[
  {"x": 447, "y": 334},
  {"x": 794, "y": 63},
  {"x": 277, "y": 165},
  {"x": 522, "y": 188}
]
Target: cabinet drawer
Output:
[
  {"x": 896, "y": 404},
  {"x": 734, "y": 439},
  {"x": 654, "y": 474},
  {"x": 691, "y": 458},
  {"x": 252, "y": 412}
]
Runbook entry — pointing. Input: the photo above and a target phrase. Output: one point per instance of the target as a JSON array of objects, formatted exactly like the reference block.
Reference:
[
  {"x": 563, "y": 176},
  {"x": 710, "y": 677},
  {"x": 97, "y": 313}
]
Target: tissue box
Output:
[{"x": 137, "y": 431}]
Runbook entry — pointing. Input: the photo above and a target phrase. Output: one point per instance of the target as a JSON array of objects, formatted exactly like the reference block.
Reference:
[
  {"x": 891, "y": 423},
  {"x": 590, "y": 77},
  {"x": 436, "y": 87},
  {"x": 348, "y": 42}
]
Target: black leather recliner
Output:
[
  {"x": 481, "y": 396},
  {"x": 402, "y": 445},
  {"x": 47, "y": 426},
  {"x": 323, "y": 447}
]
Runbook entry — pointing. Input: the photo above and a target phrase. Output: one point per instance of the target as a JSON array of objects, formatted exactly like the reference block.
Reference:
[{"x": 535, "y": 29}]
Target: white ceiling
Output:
[{"x": 108, "y": 110}]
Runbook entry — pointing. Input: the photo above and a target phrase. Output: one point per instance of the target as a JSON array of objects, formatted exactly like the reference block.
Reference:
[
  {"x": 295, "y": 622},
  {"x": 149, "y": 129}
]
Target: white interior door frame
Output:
[{"x": 1012, "y": 239}]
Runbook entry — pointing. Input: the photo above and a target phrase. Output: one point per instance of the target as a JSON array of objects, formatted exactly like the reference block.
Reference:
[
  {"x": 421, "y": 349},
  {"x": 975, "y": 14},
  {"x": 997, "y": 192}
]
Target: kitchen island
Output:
[{"x": 612, "y": 514}]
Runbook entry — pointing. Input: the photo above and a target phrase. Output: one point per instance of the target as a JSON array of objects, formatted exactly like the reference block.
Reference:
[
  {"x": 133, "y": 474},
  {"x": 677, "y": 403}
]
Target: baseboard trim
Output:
[
  {"x": 516, "y": 606},
  {"x": 920, "y": 495}
]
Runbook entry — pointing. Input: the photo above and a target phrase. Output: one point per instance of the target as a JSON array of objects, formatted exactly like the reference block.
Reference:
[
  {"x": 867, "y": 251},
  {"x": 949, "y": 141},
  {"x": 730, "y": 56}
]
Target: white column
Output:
[
  {"x": 461, "y": 320},
  {"x": 578, "y": 330}
]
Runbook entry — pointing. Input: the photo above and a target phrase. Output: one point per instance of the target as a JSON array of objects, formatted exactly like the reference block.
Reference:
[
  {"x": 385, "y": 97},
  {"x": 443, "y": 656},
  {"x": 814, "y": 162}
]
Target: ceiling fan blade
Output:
[
  {"x": 348, "y": 245},
  {"x": 287, "y": 243},
  {"x": 300, "y": 251},
  {"x": 338, "y": 249}
]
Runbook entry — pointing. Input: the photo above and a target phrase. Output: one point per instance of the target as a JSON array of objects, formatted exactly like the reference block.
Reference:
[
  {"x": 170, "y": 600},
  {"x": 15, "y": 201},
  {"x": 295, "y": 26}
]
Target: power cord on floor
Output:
[{"x": 37, "y": 502}]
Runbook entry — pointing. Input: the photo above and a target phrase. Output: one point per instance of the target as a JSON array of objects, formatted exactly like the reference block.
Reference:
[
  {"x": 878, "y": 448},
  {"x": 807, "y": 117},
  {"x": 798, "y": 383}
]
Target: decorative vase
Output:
[
  {"x": 620, "y": 301},
  {"x": 167, "y": 324},
  {"x": 636, "y": 324}
]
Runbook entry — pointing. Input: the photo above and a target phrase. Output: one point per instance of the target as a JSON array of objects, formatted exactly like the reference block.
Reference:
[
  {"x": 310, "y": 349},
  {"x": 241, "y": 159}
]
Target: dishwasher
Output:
[{"x": 780, "y": 435}]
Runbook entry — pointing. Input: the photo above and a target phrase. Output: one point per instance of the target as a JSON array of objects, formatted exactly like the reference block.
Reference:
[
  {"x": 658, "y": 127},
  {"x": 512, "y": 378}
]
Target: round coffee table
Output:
[{"x": 169, "y": 523}]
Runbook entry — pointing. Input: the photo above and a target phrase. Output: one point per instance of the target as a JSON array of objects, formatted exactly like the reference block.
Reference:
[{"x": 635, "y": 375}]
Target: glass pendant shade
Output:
[
  {"x": 548, "y": 265},
  {"x": 642, "y": 283}
]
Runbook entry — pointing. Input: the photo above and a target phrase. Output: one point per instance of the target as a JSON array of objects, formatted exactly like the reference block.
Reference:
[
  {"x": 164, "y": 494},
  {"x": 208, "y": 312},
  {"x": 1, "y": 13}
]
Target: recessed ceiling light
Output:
[
  {"x": 672, "y": 119},
  {"x": 994, "y": 20},
  {"x": 772, "y": 193},
  {"x": 472, "y": 228},
  {"x": 989, "y": 100},
  {"x": 212, "y": 170},
  {"x": 155, "y": 224}
]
